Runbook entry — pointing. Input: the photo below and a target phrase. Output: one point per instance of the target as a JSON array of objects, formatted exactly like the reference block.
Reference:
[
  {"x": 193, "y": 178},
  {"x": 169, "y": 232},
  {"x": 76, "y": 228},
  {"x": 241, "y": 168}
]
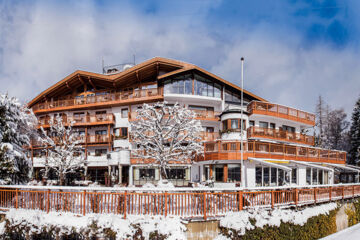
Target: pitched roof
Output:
[{"x": 139, "y": 71}]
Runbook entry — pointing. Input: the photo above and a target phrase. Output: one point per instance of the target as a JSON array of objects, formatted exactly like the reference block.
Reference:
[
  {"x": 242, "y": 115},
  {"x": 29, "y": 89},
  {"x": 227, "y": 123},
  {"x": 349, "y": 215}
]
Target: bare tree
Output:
[
  {"x": 65, "y": 154},
  {"x": 166, "y": 134}
]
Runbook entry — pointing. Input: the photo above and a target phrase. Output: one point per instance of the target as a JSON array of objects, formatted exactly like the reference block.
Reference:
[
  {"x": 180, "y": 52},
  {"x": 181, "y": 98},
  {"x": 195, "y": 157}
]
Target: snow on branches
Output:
[
  {"x": 166, "y": 134},
  {"x": 17, "y": 125},
  {"x": 65, "y": 154}
]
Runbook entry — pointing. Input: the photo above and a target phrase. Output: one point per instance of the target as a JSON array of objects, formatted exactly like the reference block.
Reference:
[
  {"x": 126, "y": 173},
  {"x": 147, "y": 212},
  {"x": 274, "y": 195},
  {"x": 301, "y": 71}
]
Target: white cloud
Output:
[{"x": 41, "y": 43}]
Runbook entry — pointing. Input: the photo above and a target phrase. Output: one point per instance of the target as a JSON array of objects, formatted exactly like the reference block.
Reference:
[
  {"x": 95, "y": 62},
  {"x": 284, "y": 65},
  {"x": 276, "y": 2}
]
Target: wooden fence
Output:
[{"x": 184, "y": 203}]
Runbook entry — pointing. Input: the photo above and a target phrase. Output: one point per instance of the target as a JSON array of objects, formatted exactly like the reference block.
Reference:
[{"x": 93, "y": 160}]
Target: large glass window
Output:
[
  {"x": 234, "y": 173},
  {"x": 266, "y": 176},
  {"x": 147, "y": 173},
  {"x": 263, "y": 124},
  {"x": 273, "y": 176},
  {"x": 234, "y": 123},
  {"x": 219, "y": 173},
  {"x": 175, "y": 173},
  {"x": 314, "y": 176},
  {"x": 258, "y": 176},
  {"x": 308, "y": 176},
  {"x": 294, "y": 176}
]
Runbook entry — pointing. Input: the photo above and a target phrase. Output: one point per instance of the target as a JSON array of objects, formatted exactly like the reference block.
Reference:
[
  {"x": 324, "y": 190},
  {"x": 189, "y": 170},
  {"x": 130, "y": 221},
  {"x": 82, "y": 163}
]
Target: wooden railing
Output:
[
  {"x": 276, "y": 134},
  {"x": 200, "y": 115},
  {"x": 81, "y": 121},
  {"x": 185, "y": 202},
  {"x": 91, "y": 139},
  {"x": 280, "y": 111},
  {"x": 105, "y": 98},
  {"x": 209, "y": 136},
  {"x": 222, "y": 150}
]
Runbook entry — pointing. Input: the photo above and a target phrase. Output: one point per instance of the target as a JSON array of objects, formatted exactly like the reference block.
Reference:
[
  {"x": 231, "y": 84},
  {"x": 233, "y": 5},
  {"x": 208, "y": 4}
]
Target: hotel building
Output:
[{"x": 276, "y": 149}]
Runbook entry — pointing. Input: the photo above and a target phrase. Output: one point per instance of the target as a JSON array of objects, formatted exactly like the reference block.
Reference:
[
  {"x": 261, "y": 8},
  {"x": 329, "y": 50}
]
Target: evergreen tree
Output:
[
  {"x": 17, "y": 124},
  {"x": 354, "y": 154}
]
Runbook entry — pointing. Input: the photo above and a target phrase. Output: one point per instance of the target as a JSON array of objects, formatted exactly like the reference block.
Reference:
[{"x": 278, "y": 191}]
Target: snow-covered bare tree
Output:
[
  {"x": 166, "y": 134},
  {"x": 17, "y": 125},
  {"x": 65, "y": 153},
  {"x": 321, "y": 112},
  {"x": 335, "y": 134}
]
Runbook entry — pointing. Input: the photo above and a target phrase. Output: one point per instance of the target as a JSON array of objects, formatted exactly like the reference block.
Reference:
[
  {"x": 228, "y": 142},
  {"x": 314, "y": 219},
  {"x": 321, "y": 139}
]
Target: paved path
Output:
[{"x": 351, "y": 233}]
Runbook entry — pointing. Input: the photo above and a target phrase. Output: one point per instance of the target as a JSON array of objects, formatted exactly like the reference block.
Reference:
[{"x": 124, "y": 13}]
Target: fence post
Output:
[
  {"x": 353, "y": 190},
  {"x": 330, "y": 192},
  {"x": 272, "y": 199},
  {"x": 343, "y": 188},
  {"x": 315, "y": 195},
  {"x": 204, "y": 194},
  {"x": 165, "y": 199},
  {"x": 17, "y": 199},
  {"x": 296, "y": 197},
  {"x": 48, "y": 201},
  {"x": 240, "y": 200},
  {"x": 125, "y": 205},
  {"x": 84, "y": 202}
]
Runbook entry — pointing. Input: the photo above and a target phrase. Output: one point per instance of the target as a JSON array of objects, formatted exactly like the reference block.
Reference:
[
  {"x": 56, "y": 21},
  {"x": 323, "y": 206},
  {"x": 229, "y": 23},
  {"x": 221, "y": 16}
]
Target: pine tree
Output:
[
  {"x": 17, "y": 125},
  {"x": 354, "y": 154},
  {"x": 335, "y": 134}
]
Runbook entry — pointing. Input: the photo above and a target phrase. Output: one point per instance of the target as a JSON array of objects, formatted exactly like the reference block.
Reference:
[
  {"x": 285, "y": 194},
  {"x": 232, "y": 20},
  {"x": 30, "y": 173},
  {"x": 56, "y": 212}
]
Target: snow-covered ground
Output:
[
  {"x": 37, "y": 221},
  {"x": 350, "y": 233}
]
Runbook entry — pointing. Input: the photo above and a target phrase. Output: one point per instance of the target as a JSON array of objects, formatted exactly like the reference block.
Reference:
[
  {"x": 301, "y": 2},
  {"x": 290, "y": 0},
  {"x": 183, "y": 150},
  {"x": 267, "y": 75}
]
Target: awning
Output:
[
  {"x": 343, "y": 167},
  {"x": 312, "y": 165},
  {"x": 270, "y": 164}
]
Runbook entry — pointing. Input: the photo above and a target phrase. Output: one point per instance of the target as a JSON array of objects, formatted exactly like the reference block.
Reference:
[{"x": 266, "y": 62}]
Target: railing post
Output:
[
  {"x": 84, "y": 202},
  {"x": 240, "y": 200},
  {"x": 17, "y": 199},
  {"x": 315, "y": 195},
  {"x": 330, "y": 192},
  {"x": 48, "y": 201},
  {"x": 296, "y": 197},
  {"x": 125, "y": 204},
  {"x": 353, "y": 190},
  {"x": 165, "y": 199},
  {"x": 343, "y": 188},
  {"x": 272, "y": 199},
  {"x": 204, "y": 196}
]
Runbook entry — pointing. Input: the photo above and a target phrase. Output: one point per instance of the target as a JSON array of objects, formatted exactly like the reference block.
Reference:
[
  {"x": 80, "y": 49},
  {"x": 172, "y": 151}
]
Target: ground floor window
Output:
[
  {"x": 315, "y": 176},
  {"x": 294, "y": 176},
  {"x": 266, "y": 176},
  {"x": 147, "y": 173},
  {"x": 219, "y": 173},
  {"x": 234, "y": 173}
]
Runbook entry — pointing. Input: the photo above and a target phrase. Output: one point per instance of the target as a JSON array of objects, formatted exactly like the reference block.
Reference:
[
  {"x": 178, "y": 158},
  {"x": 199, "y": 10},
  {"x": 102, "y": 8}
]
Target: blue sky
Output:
[{"x": 294, "y": 50}]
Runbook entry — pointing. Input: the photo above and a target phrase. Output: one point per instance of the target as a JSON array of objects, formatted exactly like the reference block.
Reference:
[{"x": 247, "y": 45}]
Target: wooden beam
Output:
[
  {"x": 92, "y": 84},
  {"x": 82, "y": 81},
  {"x": 67, "y": 85},
  {"x": 137, "y": 76},
  {"x": 157, "y": 69}
]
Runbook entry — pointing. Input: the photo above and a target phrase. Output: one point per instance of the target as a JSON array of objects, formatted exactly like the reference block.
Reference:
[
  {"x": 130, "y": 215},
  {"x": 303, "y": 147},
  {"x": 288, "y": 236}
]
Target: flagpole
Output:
[{"x": 241, "y": 125}]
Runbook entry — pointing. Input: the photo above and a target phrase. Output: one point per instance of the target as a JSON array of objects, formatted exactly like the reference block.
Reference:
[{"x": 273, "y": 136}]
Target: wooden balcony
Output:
[
  {"x": 275, "y": 110},
  {"x": 100, "y": 100},
  {"x": 276, "y": 134},
  {"x": 91, "y": 139},
  {"x": 200, "y": 115},
  {"x": 231, "y": 151},
  {"x": 89, "y": 120},
  {"x": 209, "y": 136}
]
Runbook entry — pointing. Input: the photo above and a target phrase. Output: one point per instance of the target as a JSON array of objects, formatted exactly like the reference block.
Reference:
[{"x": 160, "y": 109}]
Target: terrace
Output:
[
  {"x": 207, "y": 115},
  {"x": 100, "y": 99},
  {"x": 231, "y": 151},
  {"x": 276, "y": 134},
  {"x": 276, "y": 110},
  {"x": 88, "y": 120}
]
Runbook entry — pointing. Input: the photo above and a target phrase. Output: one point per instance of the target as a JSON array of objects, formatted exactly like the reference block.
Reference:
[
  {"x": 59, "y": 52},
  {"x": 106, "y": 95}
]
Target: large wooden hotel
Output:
[{"x": 276, "y": 150}]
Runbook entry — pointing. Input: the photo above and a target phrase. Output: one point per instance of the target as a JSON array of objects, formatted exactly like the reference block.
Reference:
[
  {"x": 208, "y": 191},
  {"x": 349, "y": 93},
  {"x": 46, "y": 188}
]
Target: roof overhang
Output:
[
  {"x": 344, "y": 167},
  {"x": 270, "y": 163},
  {"x": 312, "y": 165}
]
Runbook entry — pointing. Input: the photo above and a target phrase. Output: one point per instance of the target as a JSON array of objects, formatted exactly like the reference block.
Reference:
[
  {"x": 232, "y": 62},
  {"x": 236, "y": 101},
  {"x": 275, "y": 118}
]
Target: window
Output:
[
  {"x": 100, "y": 132},
  {"x": 121, "y": 133},
  {"x": 208, "y": 129},
  {"x": 252, "y": 123},
  {"x": 258, "y": 176},
  {"x": 314, "y": 176},
  {"x": 147, "y": 173},
  {"x": 225, "y": 127},
  {"x": 294, "y": 176},
  {"x": 100, "y": 152},
  {"x": 263, "y": 124},
  {"x": 266, "y": 176},
  {"x": 288, "y": 128},
  {"x": 308, "y": 176},
  {"x": 273, "y": 176},
  {"x": 219, "y": 173},
  {"x": 281, "y": 177},
  {"x": 272, "y": 125},
  {"x": 175, "y": 173},
  {"x": 124, "y": 113},
  {"x": 234, "y": 173},
  {"x": 233, "y": 124}
]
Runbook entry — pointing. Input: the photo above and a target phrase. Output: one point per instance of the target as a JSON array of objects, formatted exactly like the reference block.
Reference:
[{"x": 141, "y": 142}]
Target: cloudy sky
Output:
[{"x": 294, "y": 50}]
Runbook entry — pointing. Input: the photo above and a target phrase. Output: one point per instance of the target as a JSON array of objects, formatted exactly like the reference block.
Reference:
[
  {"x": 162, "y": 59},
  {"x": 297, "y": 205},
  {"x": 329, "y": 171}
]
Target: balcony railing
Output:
[
  {"x": 276, "y": 134},
  {"x": 91, "y": 139},
  {"x": 200, "y": 115},
  {"x": 103, "y": 98},
  {"x": 209, "y": 136},
  {"x": 280, "y": 111},
  {"x": 82, "y": 120},
  {"x": 231, "y": 151}
]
